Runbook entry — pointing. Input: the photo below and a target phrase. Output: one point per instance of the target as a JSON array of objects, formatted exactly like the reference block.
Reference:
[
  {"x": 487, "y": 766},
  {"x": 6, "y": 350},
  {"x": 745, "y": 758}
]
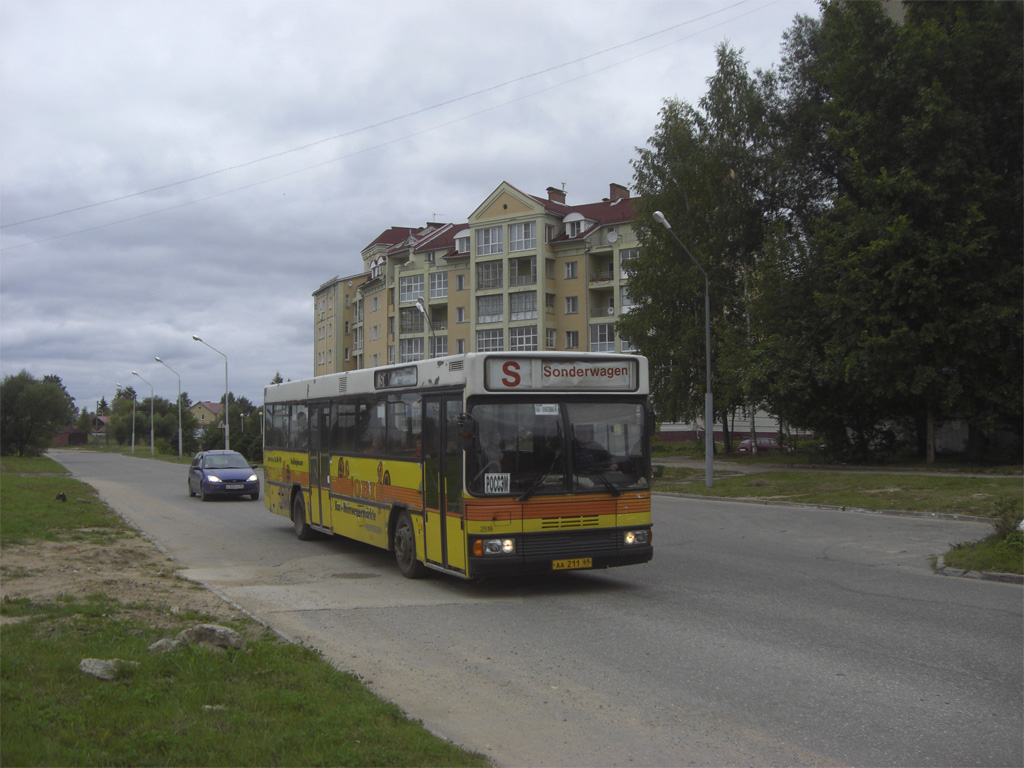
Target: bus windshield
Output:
[{"x": 527, "y": 448}]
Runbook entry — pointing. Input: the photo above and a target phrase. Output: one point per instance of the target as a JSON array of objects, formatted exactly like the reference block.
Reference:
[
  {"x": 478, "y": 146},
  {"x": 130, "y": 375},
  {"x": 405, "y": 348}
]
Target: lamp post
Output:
[
  {"x": 165, "y": 365},
  {"x": 422, "y": 307},
  {"x": 227, "y": 426},
  {"x": 709, "y": 424},
  {"x": 152, "y": 448}
]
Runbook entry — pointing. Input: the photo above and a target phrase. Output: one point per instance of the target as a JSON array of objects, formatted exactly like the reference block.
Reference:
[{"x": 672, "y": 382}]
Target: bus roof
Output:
[{"x": 479, "y": 373}]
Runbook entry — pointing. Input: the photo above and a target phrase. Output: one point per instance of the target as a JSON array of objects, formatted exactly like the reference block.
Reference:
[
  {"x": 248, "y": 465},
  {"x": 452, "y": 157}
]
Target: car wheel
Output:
[
  {"x": 203, "y": 495},
  {"x": 191, "y": 493},
  {"x": 302, "y": 529},
  {"x": 255, "y": 496},
  {"x": 405, "y": 548}
]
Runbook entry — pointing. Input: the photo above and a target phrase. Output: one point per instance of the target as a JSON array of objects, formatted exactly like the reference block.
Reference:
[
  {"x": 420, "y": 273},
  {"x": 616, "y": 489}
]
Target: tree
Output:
[
  {"x": 705, "y": 168},
  {"x": 31, "y": 412},
  {"x": 908, "y": 303}
]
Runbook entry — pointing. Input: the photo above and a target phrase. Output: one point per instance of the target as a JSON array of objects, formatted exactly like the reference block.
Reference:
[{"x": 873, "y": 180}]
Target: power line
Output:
[{"x": 380, "y": 124}]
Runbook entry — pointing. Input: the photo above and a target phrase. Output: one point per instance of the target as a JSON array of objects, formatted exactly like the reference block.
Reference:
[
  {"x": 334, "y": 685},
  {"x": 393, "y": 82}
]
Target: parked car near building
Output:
[
  {"x": 763, "y": 444},
  {"x": 222, "y": 473}
]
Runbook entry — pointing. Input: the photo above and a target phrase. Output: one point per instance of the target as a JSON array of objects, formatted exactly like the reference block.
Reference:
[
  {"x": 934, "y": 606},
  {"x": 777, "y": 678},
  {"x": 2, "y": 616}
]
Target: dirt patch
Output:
[{"x": 129, "y": 569}]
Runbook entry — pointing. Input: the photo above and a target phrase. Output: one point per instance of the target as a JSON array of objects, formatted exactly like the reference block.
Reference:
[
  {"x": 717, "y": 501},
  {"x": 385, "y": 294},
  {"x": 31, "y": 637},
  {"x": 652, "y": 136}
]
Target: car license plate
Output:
[
  {"x": 235, "y": 486},
  {"x": 576, "y": 562}
]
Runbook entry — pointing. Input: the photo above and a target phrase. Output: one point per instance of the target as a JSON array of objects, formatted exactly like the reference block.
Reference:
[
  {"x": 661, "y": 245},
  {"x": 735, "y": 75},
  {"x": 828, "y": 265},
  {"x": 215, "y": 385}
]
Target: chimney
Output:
[
  {"x": 556, "y": 195},
  {"x": 618, "y": 192}
]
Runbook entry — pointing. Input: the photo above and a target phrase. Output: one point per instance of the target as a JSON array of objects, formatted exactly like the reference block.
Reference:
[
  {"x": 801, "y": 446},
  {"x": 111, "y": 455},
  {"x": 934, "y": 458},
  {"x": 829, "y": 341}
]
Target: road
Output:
[{"x": 758, "y": 635}]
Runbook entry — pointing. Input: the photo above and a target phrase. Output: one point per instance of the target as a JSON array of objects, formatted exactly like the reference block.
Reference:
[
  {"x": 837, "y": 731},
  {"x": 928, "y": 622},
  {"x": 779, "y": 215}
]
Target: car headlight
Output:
[
  {"x": 633, "y": 538},
  {"x": 485, "y": 547},
  {"x": 213, "y": 478},
  {"x": 252, "y": 479}
]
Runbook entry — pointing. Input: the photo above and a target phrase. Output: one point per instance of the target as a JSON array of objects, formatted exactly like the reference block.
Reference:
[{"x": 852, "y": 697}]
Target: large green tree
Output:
[
  {"x": 31, "y": 412},
  {"x": 908, "y": 305},
  {"x": 705, "y": 169}
]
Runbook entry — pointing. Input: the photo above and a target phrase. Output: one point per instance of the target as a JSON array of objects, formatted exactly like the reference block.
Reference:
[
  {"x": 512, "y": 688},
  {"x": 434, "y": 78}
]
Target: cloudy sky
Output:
[{"x": 170, "y": 168}]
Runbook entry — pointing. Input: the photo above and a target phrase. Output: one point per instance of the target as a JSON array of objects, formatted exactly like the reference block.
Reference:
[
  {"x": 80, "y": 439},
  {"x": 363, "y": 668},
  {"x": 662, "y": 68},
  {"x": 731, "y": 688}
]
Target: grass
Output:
[{"x": 271, "y": 704}]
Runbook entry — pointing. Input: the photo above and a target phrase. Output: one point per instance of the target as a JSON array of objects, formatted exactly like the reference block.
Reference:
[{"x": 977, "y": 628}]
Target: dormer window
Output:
[
  {"x": 574, "y": 224},
  {"x": 462, "y": 241}
]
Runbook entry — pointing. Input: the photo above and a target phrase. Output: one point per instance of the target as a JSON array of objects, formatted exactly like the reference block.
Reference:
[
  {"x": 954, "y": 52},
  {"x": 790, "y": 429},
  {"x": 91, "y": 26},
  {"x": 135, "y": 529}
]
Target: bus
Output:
[{"x": 475, "y": 465}]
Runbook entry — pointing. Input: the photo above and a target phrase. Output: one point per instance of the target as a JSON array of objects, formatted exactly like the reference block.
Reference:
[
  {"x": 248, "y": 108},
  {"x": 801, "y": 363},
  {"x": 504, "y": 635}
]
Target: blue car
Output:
[{"x": 222, "y": 473}]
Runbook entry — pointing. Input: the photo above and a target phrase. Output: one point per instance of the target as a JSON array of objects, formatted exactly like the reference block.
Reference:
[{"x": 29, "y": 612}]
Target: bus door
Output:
[
  {"x": 443, "y": 515},
  {"x": 319, "y": 466}
]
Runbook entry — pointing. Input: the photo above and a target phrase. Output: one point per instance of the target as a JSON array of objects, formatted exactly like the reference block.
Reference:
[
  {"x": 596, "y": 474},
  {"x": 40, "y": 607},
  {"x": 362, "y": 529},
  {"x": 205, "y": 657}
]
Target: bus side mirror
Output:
[{"x": 467, "y": 429}]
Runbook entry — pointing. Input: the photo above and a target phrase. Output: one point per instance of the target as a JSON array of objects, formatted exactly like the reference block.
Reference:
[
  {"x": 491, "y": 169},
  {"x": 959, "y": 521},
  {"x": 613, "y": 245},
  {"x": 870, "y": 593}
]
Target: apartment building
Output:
[{"x": 524, "y": 272}]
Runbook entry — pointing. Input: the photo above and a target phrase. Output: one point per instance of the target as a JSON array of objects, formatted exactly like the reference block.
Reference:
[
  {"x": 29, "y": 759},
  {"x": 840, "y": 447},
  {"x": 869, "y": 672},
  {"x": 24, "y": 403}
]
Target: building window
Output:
[
  {"x": 572, "y": 305},
  {"x": 522, "y": 237},
  {"x": 410, "y": 288},
  {"x": 489, "y": 309},
  {"x": 572, "y": 339},
  {"x": 570, "y": 270},
  {"x": 439, "y": 285},
  {"x": 602, "y": 337},
  {"x": 438, "y": 346},
  {"x": 411, "y": 321},
  {"x": 488, "y": 275},
  {"x": 391, "y": 354},
  {"x": 522, "y": 339},
  {"x": 625, "y": 301},
  {"x": 460, "y": 346},
  {"x": 460, "y": 282},
  {"x": 488, "y": 241},
  {"x": 522, "y": 271},
  {"x": 574, "y": 228},
  {"x": 628, "y": 254},
  {"x": 460, "y": 314},
  {"x": 462, "y": 244},
  {"x": 550, "y": 338},
  {"x": 411, "y": 350},
  {"x": 490, "y": 341},
  {"x": 523, "y": 306}
]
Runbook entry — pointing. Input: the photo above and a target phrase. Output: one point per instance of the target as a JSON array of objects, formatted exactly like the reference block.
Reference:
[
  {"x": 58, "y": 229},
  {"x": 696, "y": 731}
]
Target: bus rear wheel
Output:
[
  {"x": 405, "y": 548},
  {"x": 302, "y": 529}
]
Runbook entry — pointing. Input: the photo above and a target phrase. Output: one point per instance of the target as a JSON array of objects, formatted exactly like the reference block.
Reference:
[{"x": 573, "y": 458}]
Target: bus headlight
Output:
[
  {"x": 484, "y": 547},
  {"x": 633, "y": 538}
]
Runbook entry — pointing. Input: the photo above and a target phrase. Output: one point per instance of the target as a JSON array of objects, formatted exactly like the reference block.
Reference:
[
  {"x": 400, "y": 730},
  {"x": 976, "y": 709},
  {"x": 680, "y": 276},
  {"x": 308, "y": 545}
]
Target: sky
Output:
[{"x": 171, "y": 168}]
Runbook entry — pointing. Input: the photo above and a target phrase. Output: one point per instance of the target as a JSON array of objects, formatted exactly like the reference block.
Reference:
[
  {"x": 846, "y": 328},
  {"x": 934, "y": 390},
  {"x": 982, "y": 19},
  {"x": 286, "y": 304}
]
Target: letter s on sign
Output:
[{"x": 511, "y": 371}]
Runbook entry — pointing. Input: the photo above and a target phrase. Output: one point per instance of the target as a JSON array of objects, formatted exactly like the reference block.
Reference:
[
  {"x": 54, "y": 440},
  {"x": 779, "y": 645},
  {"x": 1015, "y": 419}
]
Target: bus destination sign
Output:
[
  {"x": 393, "y": 378},
  {"x": 524, "y": 374}
]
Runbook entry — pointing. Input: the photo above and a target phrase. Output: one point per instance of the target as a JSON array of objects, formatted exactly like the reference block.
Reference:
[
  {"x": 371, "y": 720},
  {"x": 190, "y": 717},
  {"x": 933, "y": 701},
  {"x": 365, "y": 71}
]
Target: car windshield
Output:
[{"x": 226, "y": 461}]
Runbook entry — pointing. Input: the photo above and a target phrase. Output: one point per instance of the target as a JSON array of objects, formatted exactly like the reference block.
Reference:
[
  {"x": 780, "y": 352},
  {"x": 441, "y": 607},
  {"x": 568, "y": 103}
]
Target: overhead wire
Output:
[{"x": 382, "y": 123}]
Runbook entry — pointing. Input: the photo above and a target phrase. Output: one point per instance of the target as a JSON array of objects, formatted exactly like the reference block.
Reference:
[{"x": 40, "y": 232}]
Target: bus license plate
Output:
[{"x": 577, "y": 562}]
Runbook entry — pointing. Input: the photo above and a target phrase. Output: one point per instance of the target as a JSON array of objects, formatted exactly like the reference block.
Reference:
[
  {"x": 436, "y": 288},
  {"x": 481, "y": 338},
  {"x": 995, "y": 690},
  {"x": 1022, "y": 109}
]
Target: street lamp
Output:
[
  {"x": 422, "y": 307},
  {"x": 709, "y": 424},
  {"x": 152, "y": 449},
  {"x": 165, "y": 365},
  {"x": 227, "y": 426}
]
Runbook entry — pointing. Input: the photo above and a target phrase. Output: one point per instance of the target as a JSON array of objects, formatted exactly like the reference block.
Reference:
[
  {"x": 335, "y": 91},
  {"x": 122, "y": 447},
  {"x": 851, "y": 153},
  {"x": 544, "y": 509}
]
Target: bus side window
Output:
[
  {"x": 370, "y": 421},
  {"x": 404, "y": 425},
  {"x": 343, "y": 429}
]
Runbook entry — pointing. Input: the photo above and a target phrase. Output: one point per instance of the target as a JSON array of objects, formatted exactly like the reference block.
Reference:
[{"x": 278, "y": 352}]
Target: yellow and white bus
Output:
[{"x": 474, "y": 465}]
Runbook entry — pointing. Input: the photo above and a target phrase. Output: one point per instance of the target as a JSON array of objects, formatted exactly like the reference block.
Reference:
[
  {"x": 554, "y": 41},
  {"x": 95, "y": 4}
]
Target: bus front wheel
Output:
[
  {"x": 302, "y": 529},
  {"x": 405, "y": 548}
]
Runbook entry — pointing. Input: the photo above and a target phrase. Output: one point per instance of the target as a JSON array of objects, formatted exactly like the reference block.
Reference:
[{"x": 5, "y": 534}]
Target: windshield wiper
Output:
[
  {"x": 607, "y": 483},
  {"x": 536, "y": 484}
]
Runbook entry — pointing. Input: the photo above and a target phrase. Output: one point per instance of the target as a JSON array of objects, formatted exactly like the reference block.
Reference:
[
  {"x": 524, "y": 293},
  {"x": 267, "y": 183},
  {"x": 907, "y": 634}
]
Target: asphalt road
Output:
[{"x": 758, "y": 635}]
